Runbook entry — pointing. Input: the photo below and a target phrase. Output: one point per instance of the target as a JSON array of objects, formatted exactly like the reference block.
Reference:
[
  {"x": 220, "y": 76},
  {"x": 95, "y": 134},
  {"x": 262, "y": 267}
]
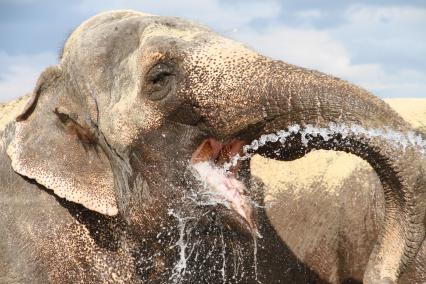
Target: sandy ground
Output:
[
  {"x": 10, "y": 110},
  {"x": 412, "y": 110}
]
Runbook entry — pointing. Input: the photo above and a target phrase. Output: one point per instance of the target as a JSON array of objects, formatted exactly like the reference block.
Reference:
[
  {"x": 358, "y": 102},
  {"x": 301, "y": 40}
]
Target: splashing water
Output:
[
  {"x": 396, "y": 138},
  {"x": 223, "y": 270},
  {"x": 180, "y": 267},
  {"x": 188, "y": 253},
  {"x": 208, "y": 173}
]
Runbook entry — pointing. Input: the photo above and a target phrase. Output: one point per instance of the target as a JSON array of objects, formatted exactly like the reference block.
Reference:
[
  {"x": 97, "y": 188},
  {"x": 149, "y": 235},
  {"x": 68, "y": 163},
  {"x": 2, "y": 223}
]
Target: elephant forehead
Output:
[
  {"x": 173, "y": 28},
  {"x": 110, "y": 27},
  {"x": 97, "y": 20}
]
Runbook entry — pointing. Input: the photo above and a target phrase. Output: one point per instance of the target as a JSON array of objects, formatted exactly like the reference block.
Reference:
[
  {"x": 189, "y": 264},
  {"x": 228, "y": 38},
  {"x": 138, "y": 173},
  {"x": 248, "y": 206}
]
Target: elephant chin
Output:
[{"x": 222, "y": 186}]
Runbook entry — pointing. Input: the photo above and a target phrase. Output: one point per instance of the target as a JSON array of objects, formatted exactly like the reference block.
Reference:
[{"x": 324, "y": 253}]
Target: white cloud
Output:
[
  {"x": 306, "y": 47},
  {"x": 364, "y": 15},
  {"x": 308, "y": 15},
  {"x": 20, "y": 72},
  {"x": 387, "y": 34},
  {"x": 327, "y": 50},
  {"x": 221, "y": 15}
]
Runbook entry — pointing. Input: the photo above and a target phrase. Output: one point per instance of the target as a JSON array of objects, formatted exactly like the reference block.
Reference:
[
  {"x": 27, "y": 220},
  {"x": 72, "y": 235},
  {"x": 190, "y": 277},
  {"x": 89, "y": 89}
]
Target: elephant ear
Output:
[{"x": 56, "y": 144}]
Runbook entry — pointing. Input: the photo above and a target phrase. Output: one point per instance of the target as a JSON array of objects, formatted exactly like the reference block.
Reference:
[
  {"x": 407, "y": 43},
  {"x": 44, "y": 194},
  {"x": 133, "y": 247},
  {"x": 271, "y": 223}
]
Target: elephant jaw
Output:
[{"x": 223, "y": 184}]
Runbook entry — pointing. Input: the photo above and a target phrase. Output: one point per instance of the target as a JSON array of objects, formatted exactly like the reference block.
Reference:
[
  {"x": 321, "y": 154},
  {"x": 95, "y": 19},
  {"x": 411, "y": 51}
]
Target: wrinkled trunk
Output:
[{"x": 290, "y": 95}]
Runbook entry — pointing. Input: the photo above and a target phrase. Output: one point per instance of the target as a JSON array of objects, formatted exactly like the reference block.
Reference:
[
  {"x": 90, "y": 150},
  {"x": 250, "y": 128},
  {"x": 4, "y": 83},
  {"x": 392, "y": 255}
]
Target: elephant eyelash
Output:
[{"x": 83, "y": 133}]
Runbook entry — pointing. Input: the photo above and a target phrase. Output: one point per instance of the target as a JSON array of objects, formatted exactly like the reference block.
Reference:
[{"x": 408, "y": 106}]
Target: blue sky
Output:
[{"x": 379, "y": 44}]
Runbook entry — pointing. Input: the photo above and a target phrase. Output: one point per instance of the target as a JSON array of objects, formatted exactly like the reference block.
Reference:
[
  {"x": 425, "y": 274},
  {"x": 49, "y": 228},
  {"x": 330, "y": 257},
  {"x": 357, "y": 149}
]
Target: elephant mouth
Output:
[{"x": 222, "y": 184}]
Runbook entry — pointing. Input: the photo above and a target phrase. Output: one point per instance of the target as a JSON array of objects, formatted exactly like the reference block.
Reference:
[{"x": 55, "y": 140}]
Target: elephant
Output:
[{"x": 130, "y": 162}]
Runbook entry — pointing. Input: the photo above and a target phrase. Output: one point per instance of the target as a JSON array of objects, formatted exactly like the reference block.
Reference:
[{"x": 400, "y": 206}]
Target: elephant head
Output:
[{"x": 138, "y": 101}]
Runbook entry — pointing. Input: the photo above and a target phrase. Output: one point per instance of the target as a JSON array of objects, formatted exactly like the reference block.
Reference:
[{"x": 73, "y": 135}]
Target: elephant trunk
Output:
[{"x": 361, "y": 124}]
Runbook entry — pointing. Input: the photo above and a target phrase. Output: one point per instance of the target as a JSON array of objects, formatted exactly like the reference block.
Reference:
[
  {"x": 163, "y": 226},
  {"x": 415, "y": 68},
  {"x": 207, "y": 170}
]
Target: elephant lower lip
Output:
[{"x": 222, "y": 185}]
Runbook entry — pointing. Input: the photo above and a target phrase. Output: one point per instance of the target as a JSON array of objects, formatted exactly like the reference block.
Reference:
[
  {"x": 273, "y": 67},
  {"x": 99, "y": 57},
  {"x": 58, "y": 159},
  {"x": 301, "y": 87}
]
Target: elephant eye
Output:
[
  {"x": 160, "y": 80},
  {"x": 160, "y": 75}
]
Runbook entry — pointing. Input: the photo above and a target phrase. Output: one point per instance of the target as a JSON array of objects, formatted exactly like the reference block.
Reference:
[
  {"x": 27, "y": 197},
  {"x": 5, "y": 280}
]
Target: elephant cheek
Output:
[{"x": 126, "y": 125}]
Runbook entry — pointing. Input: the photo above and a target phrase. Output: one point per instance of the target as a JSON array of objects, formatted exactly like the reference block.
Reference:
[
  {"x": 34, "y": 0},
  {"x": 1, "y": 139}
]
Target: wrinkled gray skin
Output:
[{"x": 100, "y": 180}]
